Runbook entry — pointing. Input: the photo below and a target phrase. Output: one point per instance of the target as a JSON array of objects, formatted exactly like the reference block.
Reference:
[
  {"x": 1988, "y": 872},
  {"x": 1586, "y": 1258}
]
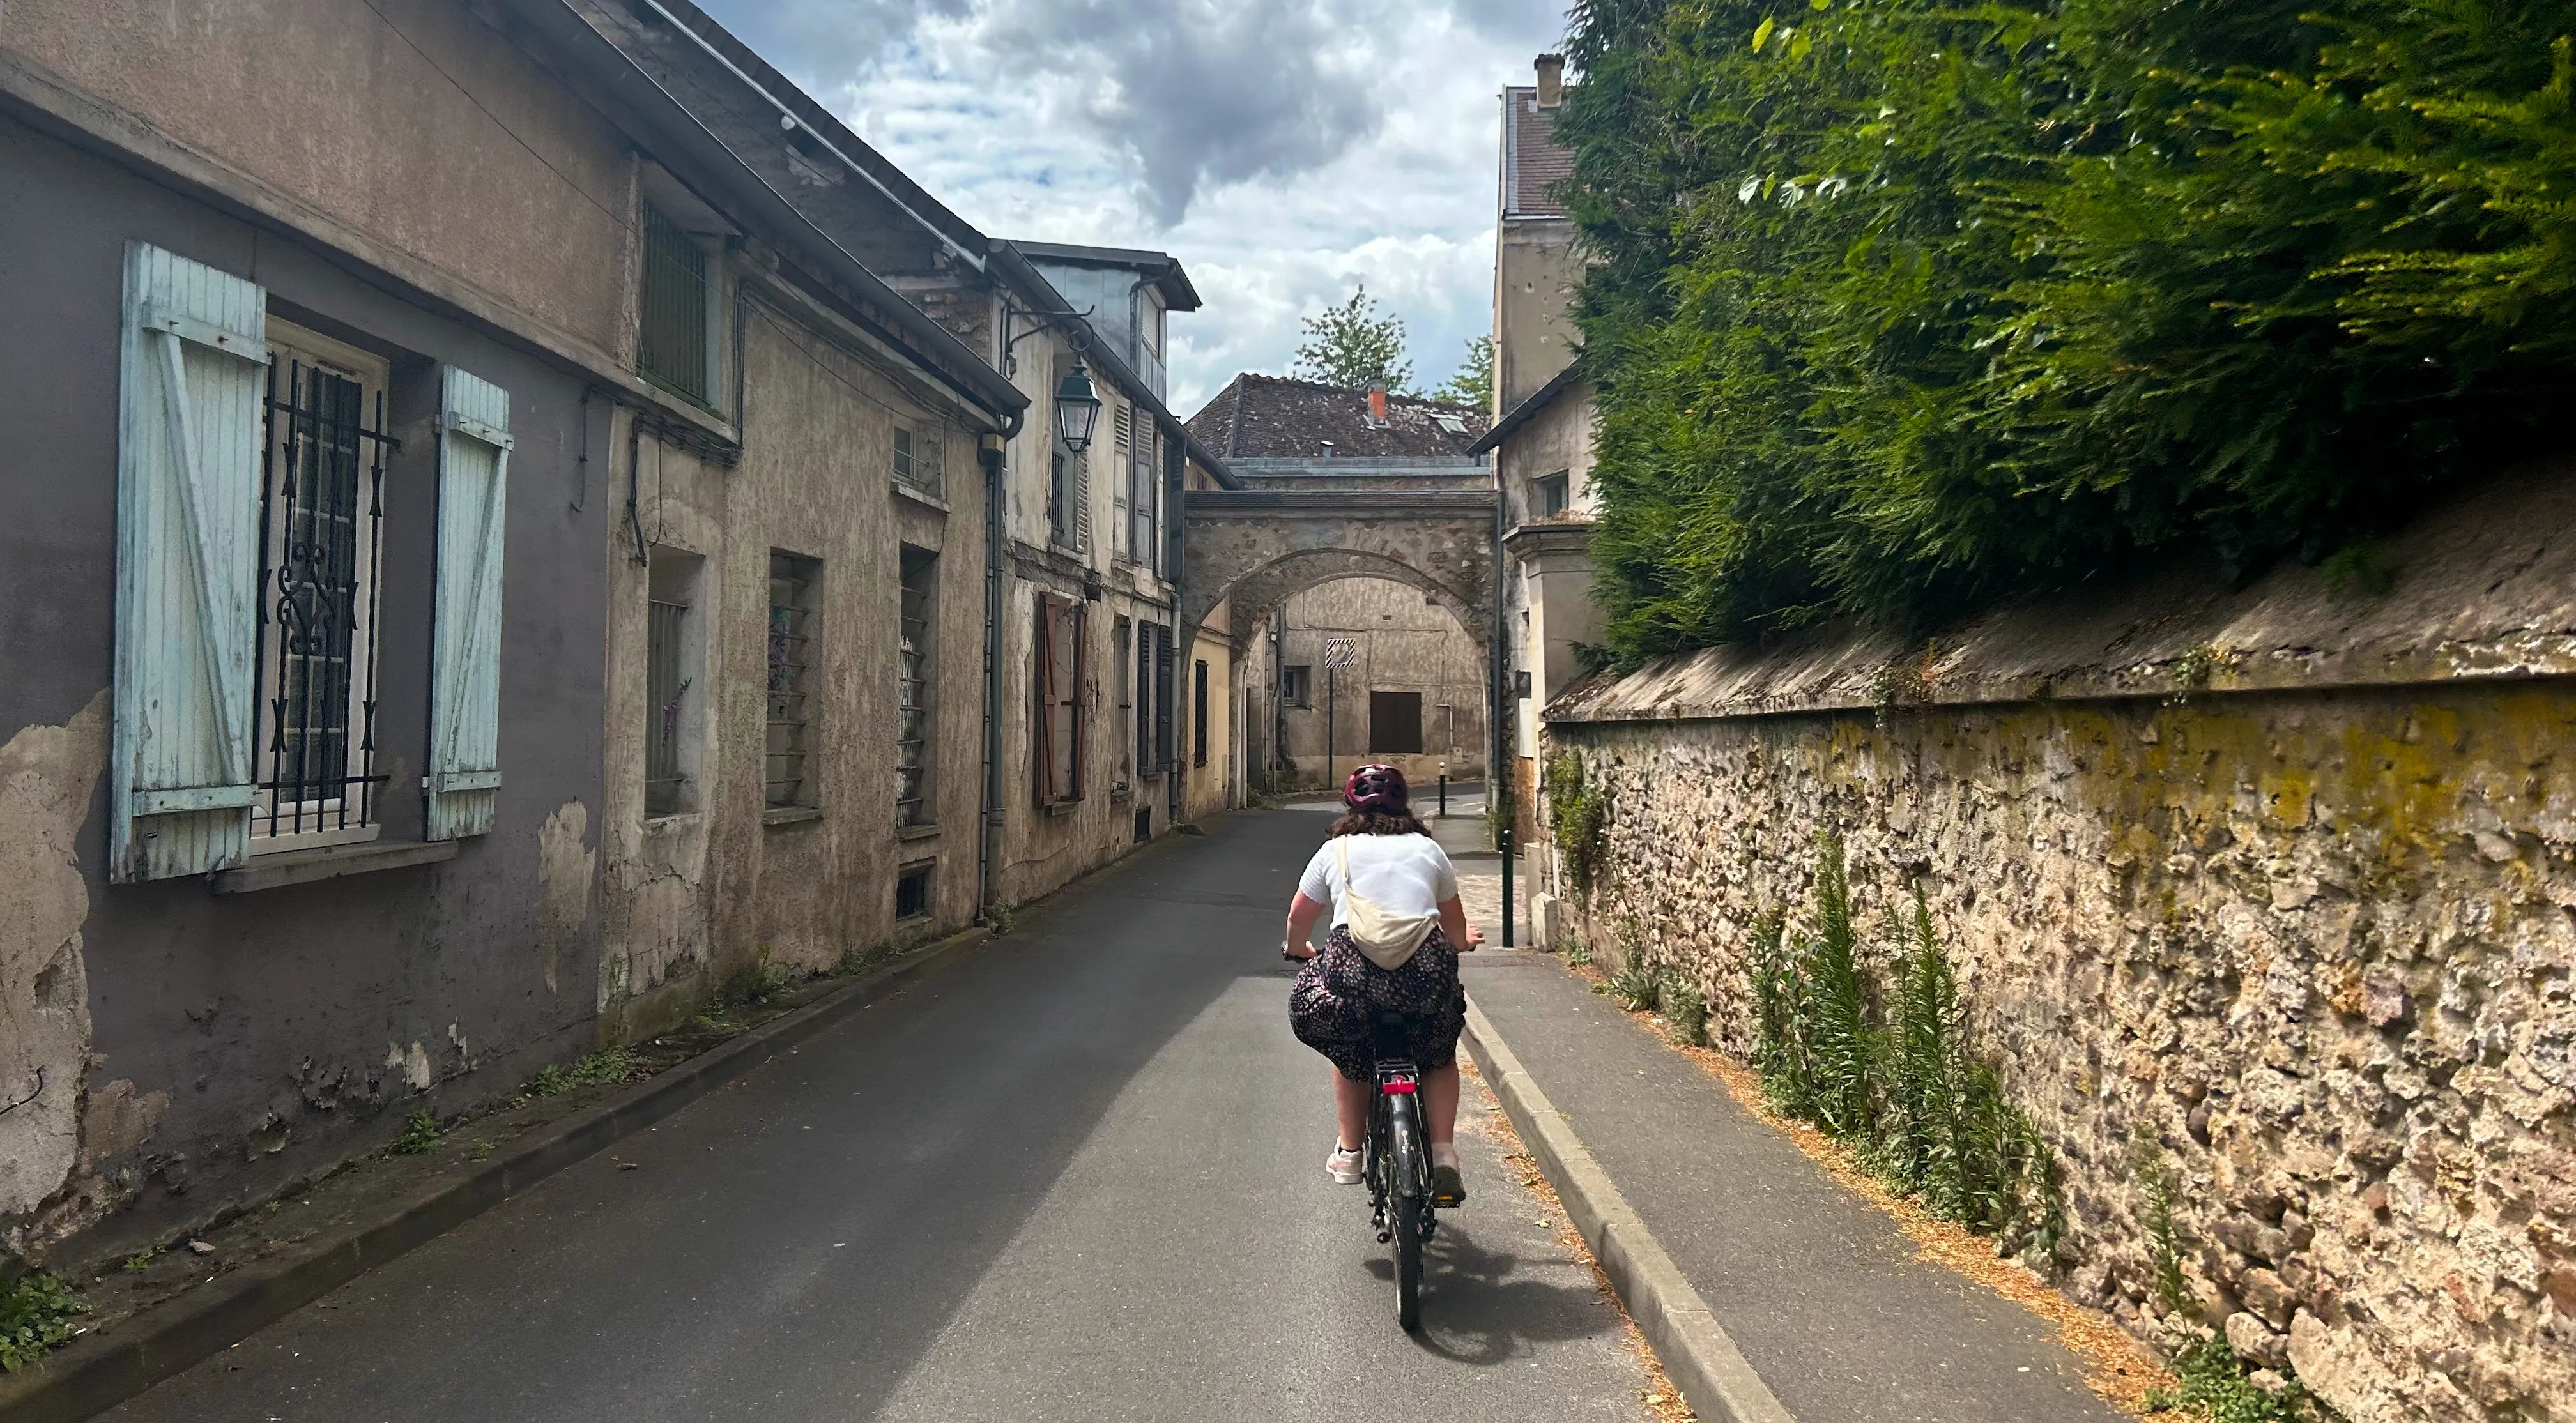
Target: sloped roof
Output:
[
  {"x": 1533, "y": 161},
  {"x": 1277, "y": 417}
]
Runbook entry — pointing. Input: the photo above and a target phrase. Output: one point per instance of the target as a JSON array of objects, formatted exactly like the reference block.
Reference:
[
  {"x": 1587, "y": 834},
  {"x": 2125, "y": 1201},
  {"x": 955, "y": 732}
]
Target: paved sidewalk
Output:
[{"x": 1821, "y": 1292}]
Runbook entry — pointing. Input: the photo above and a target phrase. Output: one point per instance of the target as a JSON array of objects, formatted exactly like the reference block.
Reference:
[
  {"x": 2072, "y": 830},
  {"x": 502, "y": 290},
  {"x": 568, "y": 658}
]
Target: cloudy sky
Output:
[{"x": 1284, "y": 150}]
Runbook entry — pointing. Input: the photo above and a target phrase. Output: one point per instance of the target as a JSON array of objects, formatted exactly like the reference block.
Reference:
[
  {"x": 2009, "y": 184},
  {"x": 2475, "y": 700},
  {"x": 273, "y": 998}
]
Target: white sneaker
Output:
[{"x": 1343, "y": 1165}]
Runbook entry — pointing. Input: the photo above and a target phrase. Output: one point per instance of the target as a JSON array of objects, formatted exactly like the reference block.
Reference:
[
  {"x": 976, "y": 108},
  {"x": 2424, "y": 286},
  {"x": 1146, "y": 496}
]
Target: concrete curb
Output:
[
  {"x": 99, "y": 1371},
  {"x": 1697, "y": 1353}
]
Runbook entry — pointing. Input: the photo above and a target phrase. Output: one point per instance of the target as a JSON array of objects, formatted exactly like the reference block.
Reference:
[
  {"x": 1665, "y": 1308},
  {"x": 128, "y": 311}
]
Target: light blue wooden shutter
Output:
[
  {"x": 465, "y": 677},
  {"x": 193, "y": 380}
]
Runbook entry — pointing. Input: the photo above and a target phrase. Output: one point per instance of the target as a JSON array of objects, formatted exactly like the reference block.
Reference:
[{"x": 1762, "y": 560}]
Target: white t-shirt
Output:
[{"x": 1401, "y": 874}]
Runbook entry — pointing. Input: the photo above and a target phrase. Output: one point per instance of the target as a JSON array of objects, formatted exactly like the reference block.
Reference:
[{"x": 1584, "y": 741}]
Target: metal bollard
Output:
[
  {"x": 1444, "y": 795},
  {"x": 1506, "y": 838}
]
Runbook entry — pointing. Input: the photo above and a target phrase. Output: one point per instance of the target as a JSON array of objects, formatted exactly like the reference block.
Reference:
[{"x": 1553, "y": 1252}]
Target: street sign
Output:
[{"x": 1341, "y": 651}]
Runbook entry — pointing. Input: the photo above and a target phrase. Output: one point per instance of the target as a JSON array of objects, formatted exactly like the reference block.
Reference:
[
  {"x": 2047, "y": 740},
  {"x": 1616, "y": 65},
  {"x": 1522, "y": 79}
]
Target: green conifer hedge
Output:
[{"x": 1901, "y": 305}]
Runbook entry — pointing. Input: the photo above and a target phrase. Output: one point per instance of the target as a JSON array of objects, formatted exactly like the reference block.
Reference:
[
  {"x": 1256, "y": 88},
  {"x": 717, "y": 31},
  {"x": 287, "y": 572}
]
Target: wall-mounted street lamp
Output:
[{"x": 1077, "y": 408}]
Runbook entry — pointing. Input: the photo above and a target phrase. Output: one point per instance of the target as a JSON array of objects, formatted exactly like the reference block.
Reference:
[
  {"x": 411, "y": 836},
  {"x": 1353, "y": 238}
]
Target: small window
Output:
[
  {"x": 791, "y": 648},
  {"x": 673, "y": 349},
  {"x": 916, "y": 462},
  {"x": 913, "y": 688},
  {"x": 321, "y": 516},
  {"x": 1395, "y": 723},
  {"x": 1122, "y": 680},
  {"x": 1297, "y": 685},
  {"x": 1453, "y": 424},
  {"x": 1143, "y": 489},
  {"x": 912, "y": 891},
  {"x": 1056, "y": 720},
  {"x": 672, "y": 652},
  {"x": 1198, "y": 713},
  {"x": 1551, "y": 496}
]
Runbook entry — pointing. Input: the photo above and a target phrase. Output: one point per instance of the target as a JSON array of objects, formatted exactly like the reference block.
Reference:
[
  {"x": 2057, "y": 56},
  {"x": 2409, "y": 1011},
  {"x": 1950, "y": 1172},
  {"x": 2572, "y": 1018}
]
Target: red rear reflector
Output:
[{"x": 1396, "y": 1088}]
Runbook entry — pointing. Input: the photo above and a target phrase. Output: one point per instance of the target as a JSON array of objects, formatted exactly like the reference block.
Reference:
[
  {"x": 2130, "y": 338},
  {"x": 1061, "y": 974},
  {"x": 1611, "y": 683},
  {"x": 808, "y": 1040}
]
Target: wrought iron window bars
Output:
[{"x": 322, "y": 521}]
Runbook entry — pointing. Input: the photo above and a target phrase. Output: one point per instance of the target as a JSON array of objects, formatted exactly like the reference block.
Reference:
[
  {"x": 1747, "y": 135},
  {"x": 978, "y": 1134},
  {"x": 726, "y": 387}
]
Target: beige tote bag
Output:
[{"x": 1389, "y": 940}]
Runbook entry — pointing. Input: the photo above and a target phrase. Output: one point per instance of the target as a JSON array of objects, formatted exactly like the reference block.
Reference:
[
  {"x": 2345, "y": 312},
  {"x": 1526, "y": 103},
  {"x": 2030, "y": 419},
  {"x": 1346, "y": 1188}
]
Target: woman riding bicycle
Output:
[{"x": 1400, "y": 958}]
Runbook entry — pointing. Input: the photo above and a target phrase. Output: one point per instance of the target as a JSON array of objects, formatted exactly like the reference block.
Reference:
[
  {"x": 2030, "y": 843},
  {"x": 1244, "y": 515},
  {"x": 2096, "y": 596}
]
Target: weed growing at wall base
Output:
[
  {"x": 1903, "y": 1087},
  {"x": 36, "y": 1314},
  {"x": 604, "y": 1068},
  {"x": 420, "y": 1134},
  {"x": 2216, "y": 1387}
]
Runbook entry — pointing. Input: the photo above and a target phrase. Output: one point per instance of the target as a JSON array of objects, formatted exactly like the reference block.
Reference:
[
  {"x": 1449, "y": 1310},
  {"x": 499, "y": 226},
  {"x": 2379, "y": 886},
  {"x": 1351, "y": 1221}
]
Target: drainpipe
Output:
[
  {"x": 989, "y": 450},
  {"x": 1500, "y": 783},
  {"x": 1175, "y": 496}
]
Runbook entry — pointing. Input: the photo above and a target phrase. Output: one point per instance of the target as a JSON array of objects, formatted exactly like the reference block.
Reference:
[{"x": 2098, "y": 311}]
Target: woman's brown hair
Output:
[{"x": 1377, "y": 822}]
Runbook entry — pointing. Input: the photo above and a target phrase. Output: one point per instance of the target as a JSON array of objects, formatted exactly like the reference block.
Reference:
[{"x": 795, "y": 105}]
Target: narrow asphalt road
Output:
[{"x": 1072, "y": 1174}]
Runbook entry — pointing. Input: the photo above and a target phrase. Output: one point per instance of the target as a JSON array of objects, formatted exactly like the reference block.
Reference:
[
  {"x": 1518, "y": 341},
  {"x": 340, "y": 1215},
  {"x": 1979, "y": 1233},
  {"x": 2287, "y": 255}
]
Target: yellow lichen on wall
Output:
[{"x": 2314, "y": 949}]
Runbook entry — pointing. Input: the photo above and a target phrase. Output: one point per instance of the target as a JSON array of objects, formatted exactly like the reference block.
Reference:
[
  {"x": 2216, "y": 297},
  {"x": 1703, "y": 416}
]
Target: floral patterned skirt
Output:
[{"x": 1339, "y": 996}]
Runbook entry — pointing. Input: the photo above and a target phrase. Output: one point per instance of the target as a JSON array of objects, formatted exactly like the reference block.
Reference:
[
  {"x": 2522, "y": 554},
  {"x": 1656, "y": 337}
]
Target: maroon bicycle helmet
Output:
[{"x": 1375, "y": 787}]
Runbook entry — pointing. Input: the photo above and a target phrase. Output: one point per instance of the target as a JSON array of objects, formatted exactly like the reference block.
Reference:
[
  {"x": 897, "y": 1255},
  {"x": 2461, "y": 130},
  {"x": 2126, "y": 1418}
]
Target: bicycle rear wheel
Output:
[{"x": 1410, "y": 1203}]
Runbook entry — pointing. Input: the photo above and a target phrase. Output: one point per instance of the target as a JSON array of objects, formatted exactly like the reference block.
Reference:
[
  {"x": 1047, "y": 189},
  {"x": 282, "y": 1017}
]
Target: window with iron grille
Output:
[
  {"x": 916, "y": 462},
  {"x": 321, "y": 532},
  {"x": 1297, "y": 684},
  {"x": 674, "y": 348},
  {"x": 672, "y": 652},
  {"x": 791, "y": 654},
  {"x": 913, "y": 688},
  {"x": 912, "y": 890}
]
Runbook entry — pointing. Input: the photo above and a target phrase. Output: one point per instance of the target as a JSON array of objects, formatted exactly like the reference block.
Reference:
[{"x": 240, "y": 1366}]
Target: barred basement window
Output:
[
  {"x": 912, "y": 891},
  {"x": 674, "y": 349},
  {"x": 790, "y": 726},
  {"x": 912, "y": 688},
  {"x": 321, "y": 523}
]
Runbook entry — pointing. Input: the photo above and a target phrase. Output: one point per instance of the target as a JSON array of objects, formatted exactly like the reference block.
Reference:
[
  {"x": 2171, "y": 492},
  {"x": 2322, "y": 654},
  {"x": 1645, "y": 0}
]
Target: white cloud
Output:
[{"x": 1282, "y": 149}]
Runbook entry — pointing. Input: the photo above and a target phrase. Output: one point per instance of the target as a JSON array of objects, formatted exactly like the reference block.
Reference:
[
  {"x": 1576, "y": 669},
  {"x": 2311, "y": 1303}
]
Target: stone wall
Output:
[{"x": 2274, "y": 886}]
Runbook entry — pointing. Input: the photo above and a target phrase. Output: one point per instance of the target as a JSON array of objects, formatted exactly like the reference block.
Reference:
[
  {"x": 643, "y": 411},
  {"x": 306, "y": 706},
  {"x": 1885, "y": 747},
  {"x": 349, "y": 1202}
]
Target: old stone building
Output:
[
  {"x": 1541, "y": 441},
  {"x": 1414, "y": 690},
  {"x": 683, "y": 547},
  {"x": 458, "y": 621}
]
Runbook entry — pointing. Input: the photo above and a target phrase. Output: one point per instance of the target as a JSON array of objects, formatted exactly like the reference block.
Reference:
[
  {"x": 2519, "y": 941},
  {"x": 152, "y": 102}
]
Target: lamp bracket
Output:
[{"x": 1077, "y": 335}]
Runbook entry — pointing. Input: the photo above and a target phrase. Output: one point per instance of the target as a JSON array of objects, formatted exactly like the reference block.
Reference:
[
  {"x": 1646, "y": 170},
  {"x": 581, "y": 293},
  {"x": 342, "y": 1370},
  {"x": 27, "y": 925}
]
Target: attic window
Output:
[{"x": 1455, "y": 425}]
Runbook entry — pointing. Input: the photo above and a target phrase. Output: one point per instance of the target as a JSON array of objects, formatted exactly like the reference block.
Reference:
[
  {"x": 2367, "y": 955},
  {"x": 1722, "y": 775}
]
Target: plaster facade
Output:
[
  {"x": 722, "y": 880},
  {"x": 188, "y": 1048},
  {"x": 1403, "y": 642}
]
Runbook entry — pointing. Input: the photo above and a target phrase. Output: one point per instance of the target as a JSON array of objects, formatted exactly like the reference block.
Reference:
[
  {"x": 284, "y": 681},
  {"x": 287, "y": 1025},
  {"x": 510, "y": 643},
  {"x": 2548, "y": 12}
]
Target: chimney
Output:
[
  {"x": 1551, "y": 80},
  {"x": 1377, "y": 404}
]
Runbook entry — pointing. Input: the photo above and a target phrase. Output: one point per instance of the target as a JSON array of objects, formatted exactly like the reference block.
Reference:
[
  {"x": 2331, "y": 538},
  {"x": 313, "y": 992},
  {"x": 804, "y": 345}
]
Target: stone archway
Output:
[{"x": 1262, "y": 546}]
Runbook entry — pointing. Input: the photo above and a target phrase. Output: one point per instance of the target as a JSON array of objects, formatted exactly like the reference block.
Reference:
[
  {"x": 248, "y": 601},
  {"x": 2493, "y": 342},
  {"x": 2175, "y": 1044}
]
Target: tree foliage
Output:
[
  {"x": 1473, "y": 382},
  {"x": 1351, "y": 345},
  {"x": 1900, "y": 306}
]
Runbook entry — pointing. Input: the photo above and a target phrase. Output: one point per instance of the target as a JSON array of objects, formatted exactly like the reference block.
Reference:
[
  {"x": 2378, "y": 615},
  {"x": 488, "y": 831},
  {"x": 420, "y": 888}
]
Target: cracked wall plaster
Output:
[
  {"x": 564, "y": 872},
  {"x": 47, "y": 776}
]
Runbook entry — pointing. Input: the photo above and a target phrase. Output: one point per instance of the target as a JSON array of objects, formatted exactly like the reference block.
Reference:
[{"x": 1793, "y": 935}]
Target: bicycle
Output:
[{"x": 1397, "y": 1167}]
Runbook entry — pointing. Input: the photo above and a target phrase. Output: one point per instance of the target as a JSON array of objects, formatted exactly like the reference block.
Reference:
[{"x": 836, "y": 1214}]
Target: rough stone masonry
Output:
[{"x": 2276, "y": 887}]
